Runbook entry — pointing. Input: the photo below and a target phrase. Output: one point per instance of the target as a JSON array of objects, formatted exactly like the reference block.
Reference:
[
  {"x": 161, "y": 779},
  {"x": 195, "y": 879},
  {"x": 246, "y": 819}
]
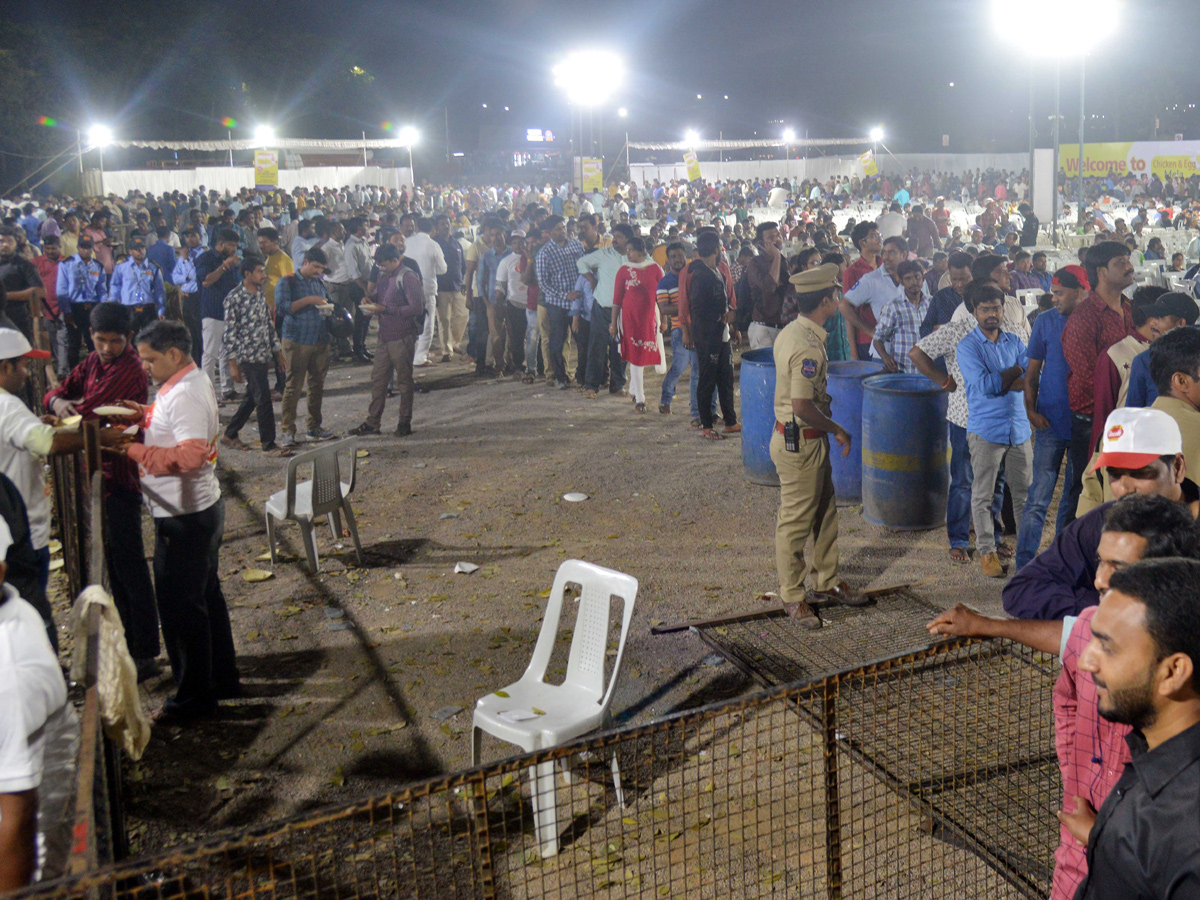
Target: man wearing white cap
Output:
[
  {"x": 25, "y": 441},
  {"x": 1141, "y": 453},
  {"x": 37, "y": 739}
]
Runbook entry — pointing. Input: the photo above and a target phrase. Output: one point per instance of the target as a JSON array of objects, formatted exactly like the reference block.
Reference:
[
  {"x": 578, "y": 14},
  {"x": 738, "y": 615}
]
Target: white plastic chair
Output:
[
  {"x": 325, "y": 495},
  {"x": 575, "y": 707}
]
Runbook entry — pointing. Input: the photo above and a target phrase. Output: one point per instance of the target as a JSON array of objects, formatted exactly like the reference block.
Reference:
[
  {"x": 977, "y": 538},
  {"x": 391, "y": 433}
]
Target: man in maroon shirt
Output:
[
  {"x": 1101, "y": 319},
  {"x": 47, "y": 266},
  {"x": 866, "y": 239},
  {"x": 111, "y": 373}
]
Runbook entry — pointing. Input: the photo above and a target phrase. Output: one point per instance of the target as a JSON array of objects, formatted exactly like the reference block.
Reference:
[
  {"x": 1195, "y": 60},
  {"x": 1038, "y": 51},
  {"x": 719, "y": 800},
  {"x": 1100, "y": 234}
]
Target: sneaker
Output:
[
  {"x": 403, "y": 429},
  {"x": 320, "y": 434},
  {"x": 445, "y": 357},
  {"x": 563, "y": 385},
  {"x": 589, "y": 394},
  {"x": 992, "y": 567},
  {"x": 363, "y": 429},
  {"x": 287, "y": 441},
  {"x": 231, "y": 395}
]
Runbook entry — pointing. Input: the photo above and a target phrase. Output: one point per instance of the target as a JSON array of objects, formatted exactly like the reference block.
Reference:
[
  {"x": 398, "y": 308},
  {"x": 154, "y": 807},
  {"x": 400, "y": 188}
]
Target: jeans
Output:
[
  {"x": 195, "y": 619},
  {"x": 583, "y": 339},
  {"x": 682, "y": 358},
  {"x": 604, "y": 352},
  {"x": 532, "y": 334},
  {"x": 215, "y": 358},
  {"x": 958, "y": 503},
  {"x": 987, "y": 459},
  {"x": 57, "y": 331},
  {"x": 132, "y": 590},
  {"x": 1048, "y": 452},
  {"x": 559, "y": 319},
  {"x": 257, "y": 401},
  {"x": 309, "y": 361},
  {"x": 1080, "y": 456},
  {"x": 716, "y": 374}
]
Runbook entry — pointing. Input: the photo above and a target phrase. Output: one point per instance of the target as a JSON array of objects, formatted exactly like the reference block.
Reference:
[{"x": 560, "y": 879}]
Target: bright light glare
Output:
[
  {"x": 408, "y": 135},
  {"x": 789, "y": 135},
  {"x": 691, "y": 136},
  {"x": 876, "y": 134},
  {"x": 590, "y": 77},
  {"x": 100, "y": 136},
  {"x": 1081, "y": 23},
  {"x": 264, "y": 134},
  {"x": 622, "y": 112}
]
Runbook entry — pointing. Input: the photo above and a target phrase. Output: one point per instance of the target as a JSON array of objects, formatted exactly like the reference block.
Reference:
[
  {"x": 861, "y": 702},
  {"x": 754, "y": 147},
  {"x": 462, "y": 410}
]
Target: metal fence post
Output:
[
  {"x": 483, "y": 839},
  {"x": 833, "y": 808}
]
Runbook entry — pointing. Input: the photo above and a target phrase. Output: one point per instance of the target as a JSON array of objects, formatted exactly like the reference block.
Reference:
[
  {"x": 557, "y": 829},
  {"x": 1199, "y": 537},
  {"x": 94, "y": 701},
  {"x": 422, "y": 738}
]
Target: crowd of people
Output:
[{"x": 244, "y": 302}]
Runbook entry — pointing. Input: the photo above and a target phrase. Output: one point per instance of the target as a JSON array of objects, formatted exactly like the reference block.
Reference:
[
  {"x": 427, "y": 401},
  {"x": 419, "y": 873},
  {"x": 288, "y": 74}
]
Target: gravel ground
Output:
[{"x": 362, "y": 678}]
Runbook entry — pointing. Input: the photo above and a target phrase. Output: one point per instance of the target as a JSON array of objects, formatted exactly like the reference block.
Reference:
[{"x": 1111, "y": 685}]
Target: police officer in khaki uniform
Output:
[{"x": 800, "y": 451}]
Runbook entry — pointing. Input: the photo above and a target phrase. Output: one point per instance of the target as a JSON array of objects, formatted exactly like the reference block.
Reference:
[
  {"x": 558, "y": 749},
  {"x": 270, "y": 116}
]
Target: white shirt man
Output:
[
  {"x": 892, "y": 224},
  {"x": 428, "y": 255}
]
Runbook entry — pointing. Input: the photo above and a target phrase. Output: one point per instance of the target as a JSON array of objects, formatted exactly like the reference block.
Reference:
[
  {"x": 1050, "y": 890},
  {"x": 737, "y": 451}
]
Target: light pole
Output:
[
  {"x": 789, "y": 135},
  {"x": 100, "y": 136},
  {"x": 1087, "y": 22},
  {"x": 589, "y": 78},
  {"x": 409, "y": 136}
]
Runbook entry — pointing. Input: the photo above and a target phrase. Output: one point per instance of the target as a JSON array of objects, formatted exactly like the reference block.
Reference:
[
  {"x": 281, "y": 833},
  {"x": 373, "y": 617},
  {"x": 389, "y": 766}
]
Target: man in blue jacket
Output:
[
  {"x": 138, "y": 284},
  {"x": 81, "y": 285}
]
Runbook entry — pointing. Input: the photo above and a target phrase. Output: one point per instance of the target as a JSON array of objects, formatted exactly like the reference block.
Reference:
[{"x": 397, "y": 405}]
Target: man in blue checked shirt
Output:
[
  {"x": 556, "y": 273},
  {"x": 305, "y": 345},
  {"x": 993, "y": 364},
  {"x": 899, "y": 326},
  {"x": 138, "y": 284}
]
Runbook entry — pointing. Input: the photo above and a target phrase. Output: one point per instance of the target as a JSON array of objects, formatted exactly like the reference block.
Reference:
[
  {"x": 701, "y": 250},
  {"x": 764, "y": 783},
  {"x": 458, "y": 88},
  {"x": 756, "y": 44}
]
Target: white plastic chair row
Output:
[{"x": 535, "y": 715}]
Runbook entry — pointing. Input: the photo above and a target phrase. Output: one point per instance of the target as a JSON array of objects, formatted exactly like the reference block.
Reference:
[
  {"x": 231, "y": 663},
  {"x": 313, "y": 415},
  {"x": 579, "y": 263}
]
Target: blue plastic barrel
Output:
[
  {"x": 905, "y": 454},
  {"x": 846, "y": 391},
  {"x": 758, "y": 415}
]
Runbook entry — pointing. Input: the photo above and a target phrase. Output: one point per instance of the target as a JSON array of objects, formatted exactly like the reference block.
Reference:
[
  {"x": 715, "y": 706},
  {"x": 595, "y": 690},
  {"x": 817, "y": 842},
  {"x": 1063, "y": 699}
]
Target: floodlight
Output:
[
  {"x": 692, "y": 136},
  {"x": 789, "y": 135},
  {"x": 622, "y": 112},
  {"x": 100, "y": 136},
  {"x": 876, "y": 135},
  {"x": 264, "y": 135},
  {"x": 1084, "y": 23},
  {"x": 407, "y": 135},
  {"x": 589, "y": 77}
]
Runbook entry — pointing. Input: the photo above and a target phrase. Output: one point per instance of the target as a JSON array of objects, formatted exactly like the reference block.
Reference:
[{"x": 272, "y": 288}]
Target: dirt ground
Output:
[{"x": 360, "y": 679}]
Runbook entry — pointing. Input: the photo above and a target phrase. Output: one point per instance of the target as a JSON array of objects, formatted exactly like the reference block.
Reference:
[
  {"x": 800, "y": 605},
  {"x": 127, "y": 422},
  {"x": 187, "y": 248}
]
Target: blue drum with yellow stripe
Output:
[{"x": 905, "y": 452}]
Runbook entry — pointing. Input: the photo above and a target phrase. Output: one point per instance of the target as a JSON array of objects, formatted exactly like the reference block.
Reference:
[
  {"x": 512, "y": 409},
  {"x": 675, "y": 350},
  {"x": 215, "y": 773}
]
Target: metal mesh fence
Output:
[{"x": 922, "y": 776}]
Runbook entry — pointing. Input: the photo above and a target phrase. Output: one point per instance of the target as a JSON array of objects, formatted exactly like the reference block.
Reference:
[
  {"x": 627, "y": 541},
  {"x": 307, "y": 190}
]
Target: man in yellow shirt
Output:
[{"x": 279, "y": 265}]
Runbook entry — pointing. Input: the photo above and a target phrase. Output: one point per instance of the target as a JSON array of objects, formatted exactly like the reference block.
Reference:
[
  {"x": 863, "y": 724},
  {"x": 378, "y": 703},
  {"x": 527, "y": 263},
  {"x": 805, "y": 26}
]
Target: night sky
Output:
[{"x": 831, "y": 68}]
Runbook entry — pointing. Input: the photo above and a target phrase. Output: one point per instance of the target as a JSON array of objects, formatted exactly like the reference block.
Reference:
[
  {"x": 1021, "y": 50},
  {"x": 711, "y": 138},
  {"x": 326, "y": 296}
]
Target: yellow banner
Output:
[
  {"x": 693, "y": 165},
  {"x": 266, "y": 169},
  {"x": 867, "y": 161},
  {"x": 1138, "y": 158},
  {"x": 593, "y": 174}
]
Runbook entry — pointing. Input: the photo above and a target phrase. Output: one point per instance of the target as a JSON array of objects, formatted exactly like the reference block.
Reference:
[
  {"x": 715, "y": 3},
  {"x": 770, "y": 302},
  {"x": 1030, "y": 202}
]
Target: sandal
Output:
[
  {"x": 528, "y": 379},
  {"x": 695, "y": 423},
  {"x": 736, "y": 428},
  {"x": 664, "y": 409},
  {"x": 235, "y": 443},
  {"x": 639, "y": 407},
  {"x": 1004, "y": 551},
  {"x": 959, "y": 555},
  {"x": 710, "y": 435}
]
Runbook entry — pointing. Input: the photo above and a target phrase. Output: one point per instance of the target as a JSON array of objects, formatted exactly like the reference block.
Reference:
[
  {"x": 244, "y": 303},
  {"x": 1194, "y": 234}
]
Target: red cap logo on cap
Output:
[{"x": 1115, "y": 433}]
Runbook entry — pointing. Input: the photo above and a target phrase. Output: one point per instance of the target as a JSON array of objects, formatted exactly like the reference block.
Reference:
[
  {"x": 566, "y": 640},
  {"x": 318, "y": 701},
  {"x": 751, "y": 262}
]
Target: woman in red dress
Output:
[{"x": 636, "y": 300}]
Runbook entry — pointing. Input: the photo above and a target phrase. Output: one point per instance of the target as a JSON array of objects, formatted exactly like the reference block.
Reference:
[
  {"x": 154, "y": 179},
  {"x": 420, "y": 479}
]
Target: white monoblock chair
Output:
[
  {"x": 579, "y": 705},
  {"x": 325, "y": 495}
]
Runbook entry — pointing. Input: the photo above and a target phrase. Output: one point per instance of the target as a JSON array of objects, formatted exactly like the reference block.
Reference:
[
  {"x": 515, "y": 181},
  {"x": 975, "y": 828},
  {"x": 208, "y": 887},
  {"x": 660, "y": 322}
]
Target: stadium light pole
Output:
[
  {"x": 589, "y": 78},
  {"x": 789, "y": 135},
  {"x": 100, "y": 136},
  {"x": 1087, "y": 22},
  {"x": 409, "y": 136}
]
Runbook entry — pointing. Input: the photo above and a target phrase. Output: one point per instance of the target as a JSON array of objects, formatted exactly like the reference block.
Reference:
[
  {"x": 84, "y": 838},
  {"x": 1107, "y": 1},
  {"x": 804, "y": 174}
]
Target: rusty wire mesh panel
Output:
[
  {"x": 775, "y": 650},
  {"x": 923, "y": 776}
]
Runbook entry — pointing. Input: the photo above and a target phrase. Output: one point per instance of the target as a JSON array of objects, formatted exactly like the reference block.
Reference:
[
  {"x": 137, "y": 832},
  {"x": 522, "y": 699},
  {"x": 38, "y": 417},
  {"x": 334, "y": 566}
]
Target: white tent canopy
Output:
[
  {"x": 702, "y": 146},
  {"x": 295, "y": 144}
]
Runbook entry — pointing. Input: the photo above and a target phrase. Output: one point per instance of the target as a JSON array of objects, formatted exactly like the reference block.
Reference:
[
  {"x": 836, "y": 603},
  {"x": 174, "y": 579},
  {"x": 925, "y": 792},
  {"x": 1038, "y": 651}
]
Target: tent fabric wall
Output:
[{"x": 220, "y": 178}]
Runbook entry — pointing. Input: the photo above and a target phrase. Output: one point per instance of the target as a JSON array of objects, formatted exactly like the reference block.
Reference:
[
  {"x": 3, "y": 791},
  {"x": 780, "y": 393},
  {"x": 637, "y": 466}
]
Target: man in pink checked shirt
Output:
[
  {"x": 1091, "y": 750},
  {"x": 177, "y": 466}
]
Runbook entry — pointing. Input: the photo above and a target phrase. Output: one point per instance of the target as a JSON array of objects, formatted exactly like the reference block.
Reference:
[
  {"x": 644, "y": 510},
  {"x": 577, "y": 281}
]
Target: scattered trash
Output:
[
  {"x": 333, "y": 612},
  {"x": 713, "y": 661},
  {"x": 575, "y": 497},
  {"x": 420, "y": 465},
  {"x": 363, "y": 454},
  {"x": 339, "y": 625},
  {"x": 254, "y": 575},
  {"x": 446, "y": 712},
  {"x": 464, "y": 568},
  {"x": 448, "y": 516}
]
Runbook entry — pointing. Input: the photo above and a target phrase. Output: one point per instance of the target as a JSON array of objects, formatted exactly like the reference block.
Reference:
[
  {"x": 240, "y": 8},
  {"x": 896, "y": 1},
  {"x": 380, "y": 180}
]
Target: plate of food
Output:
[
  {"x": 325, "y": 308},
  {"x": 70, "y": 423},
  {"x": 122, "y": 411}
]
